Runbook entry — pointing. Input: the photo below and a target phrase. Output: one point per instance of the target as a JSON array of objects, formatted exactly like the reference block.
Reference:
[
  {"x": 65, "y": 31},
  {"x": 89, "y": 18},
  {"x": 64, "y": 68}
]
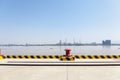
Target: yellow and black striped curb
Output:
[
  {"x": 69, "y": 58},
  {"x": 31, "y": 57},
  {"x": 97, "y": 56},
  {"x": 61, "y": 57}
]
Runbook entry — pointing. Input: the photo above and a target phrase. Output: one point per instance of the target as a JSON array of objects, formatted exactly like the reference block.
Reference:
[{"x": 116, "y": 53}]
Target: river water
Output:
[{"x": 59, "y": 50}]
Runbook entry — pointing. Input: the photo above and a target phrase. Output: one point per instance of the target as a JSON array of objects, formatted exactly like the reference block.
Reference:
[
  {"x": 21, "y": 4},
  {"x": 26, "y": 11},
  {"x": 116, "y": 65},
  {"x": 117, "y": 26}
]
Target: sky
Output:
[{"x": 49, "y": 21}]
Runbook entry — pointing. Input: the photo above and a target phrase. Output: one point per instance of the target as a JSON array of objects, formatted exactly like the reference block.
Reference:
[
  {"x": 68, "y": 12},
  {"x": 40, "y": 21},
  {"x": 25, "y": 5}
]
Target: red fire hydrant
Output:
[{"x": 67, "y": 52}]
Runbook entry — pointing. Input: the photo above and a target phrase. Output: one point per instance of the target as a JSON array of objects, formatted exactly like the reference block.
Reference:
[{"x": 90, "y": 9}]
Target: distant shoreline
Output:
[{"x": 59, "y": 45}]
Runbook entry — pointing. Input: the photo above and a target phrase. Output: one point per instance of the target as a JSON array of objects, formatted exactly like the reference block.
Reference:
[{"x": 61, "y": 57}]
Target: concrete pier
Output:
[
  {"x": 59, "y": 72},
  {"x": 55, "y": 69}
]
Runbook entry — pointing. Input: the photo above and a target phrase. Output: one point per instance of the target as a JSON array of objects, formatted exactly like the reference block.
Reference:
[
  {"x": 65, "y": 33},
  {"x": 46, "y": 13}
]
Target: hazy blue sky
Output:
[{"x": 48, "y": 21}]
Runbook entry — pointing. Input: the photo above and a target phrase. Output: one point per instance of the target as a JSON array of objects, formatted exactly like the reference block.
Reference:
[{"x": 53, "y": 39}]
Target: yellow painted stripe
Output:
[
  {"x": 118, "y": 56},
  {"x": 106, "y": 57},
  {"x": 71, "y": 58},
  {"x": 93, "y": 57},
  {"x": 17, "y": 57},
  {"x": 23, "y": 56},
  {"x": 11, "y": 56},
  {"x": 53, "y": 56},
  {"x": 99, "y": 57},
  {"x": 86, "y": 57},
  {"x": 1, "y": 57},
  {"x": 47, "y": 57},
  {"x": 79, "y": 56},
  {"x": 111, "y": 56},
  {"x": 41, "y": 57},
  {"x": 35, "y": 56},
  {"x": 29, "y": 57}
]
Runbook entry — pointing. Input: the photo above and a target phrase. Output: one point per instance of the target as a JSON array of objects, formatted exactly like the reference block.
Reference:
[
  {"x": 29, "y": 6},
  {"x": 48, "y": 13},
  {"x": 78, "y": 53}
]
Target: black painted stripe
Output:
[
  {"x": 102, "y": 56},
  {"x": 57, "y": 56},
  {"x": 8, "y": 56},
  {"x": 108, "y": 56},
  {"x": 51, "y": 56},
  {"x": 96, "y": 57},
  {"x": 19, "y": 56},
  {"x": 89, "y": 56},
  {"x": 25, "y": 56},
  {"x": 44, "y": 56},
  {"x": 114, "y": 56},
  {"x": 76, "y": 56},
  {"x": 83, "y": 56},
  {"x": 38, "y": 56}
]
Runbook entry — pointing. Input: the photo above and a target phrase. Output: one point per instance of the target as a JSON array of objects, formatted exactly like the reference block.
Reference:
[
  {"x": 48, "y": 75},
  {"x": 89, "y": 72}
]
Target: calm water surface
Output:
[{"x": 57, "y": 50}]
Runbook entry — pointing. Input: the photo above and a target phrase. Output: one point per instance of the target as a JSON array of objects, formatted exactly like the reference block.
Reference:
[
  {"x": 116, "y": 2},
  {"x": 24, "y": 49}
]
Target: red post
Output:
[{"x": 67, "y": 52}]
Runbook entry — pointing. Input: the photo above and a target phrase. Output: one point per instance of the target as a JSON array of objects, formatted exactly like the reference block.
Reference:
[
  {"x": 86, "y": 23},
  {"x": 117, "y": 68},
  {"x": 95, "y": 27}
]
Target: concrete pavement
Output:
[{"x": 59, "y": 72}]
